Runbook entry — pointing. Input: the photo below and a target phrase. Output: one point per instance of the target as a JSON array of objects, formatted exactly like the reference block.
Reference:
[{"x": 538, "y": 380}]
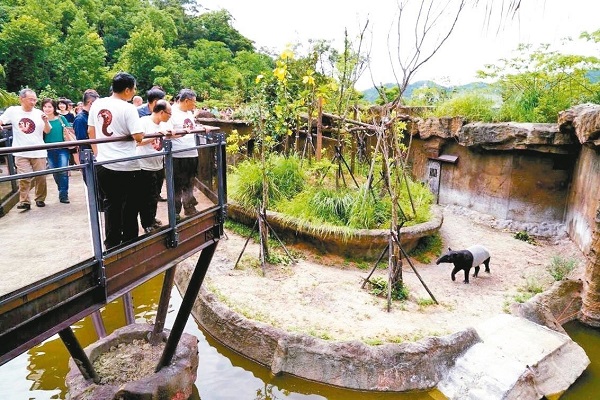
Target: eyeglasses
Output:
[{"x": 166, "y": 112}]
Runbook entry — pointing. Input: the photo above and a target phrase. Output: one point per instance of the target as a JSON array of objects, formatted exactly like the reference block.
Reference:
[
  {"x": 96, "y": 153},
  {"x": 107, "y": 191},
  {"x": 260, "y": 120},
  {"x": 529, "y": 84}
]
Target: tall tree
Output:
[
  {"x": 79, "y": 61},
  {"x": 143, "y": 55},
  {"x": 24, "y": 49},
  {"x": 216, "y": 27}
]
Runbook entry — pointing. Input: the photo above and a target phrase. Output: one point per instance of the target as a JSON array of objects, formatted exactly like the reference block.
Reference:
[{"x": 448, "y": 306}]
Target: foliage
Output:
[
  {"x": 473, "y": 106},
  {"x": 246, "y": 181},
  {"x": 538, "y": 83},
  {"x": 428, "y": 247},
  {"x": 379, "y": 287},
  {"x": 525, "y": 237},
  {"x": 560, "y": 267},
  {"x": 24, "y": 48}
]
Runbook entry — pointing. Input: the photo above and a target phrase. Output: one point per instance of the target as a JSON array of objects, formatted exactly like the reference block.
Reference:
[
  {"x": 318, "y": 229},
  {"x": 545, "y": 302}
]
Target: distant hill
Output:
[{"x": 371, "y": 94}]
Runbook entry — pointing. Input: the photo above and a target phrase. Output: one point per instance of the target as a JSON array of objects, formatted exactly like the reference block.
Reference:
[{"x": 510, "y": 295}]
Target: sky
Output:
[{"x": 273, "y": 24}]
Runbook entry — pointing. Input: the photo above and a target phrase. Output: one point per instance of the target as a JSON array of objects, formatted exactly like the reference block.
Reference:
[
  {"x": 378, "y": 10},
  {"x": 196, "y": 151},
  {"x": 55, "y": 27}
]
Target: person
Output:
[
  {"x": 78, "y": 107},
  {"x": 153, "y": 95},
  {"x": 80, "y": 124},
  {"x": 152, "y": 172},
  {"x": 28, "y": 125},
  {"x": 185, "y": 163},
  {"x": 114, "y": 117},
  {"x": 63, "y": 109},
  {"x": 57, "y": 158},
  {"x": 137, "y": 101}
]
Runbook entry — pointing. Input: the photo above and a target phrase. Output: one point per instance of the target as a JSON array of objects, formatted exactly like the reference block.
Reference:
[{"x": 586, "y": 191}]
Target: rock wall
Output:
[{"x": 506, "y": 170}]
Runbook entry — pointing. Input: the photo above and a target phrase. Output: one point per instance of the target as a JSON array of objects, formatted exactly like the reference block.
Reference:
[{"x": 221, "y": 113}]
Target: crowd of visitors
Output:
[{"x": 127, "y": 189}]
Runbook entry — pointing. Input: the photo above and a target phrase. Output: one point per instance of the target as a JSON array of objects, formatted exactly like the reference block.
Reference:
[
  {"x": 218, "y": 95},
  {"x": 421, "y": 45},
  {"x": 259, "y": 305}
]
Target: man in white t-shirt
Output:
[
  {"x": 150, "y": 177},
  {"x": 185, "y": 163},
  {"x": 28, "y": 128},
  {"x": 114, "y": 117}
]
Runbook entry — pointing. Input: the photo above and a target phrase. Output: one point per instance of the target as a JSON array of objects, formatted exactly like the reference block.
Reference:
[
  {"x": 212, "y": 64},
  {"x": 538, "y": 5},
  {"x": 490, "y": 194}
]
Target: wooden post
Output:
[{"x": 319, "y": 128}]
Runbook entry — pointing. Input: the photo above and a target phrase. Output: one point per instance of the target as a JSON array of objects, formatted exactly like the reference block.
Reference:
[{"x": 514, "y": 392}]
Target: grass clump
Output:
[
  {"x": 379, "y": 287},
  {"x": 473, "y": 106},
  {"x": 560, "y": 267},
  {"x": 428, "y": 248},
  {"x": 524, "y": 237}
]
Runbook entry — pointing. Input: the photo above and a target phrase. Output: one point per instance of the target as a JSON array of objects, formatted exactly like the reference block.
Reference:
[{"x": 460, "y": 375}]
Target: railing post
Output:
[
  {"x": 92, "y": 194},
  {"x": 172, "y": 239},
  {"x": 221, "y": 177}
]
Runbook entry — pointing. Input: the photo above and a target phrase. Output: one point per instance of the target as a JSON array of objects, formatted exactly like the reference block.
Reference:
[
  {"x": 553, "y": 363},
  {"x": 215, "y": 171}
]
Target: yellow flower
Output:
[
  {"x": 287, "y": 54},
  {"x": 259, "y": 78},
  {"x": 308, "y": 80},
  {"x": 280, "y": 73}
]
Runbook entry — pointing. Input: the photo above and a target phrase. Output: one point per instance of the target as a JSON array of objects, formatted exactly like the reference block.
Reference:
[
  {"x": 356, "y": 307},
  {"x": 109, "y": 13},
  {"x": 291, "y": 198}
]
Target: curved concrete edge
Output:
[
  {"x": 354, "y": 365},
  {"x": 356, "y": 243},
  {"x": 174, "y": 381}
]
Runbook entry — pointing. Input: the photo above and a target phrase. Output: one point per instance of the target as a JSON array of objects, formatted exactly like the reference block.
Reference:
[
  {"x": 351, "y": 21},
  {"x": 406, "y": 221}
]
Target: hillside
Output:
[{"x": 371, "y": 94}]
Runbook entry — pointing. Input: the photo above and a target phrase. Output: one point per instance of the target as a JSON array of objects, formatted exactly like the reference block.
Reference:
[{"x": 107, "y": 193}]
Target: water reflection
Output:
[{"x": 222, "y": 373}]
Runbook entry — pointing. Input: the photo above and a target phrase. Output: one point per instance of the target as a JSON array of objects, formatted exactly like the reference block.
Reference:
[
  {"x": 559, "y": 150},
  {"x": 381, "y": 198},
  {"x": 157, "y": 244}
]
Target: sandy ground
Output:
[{"x": 322, "y": 295}]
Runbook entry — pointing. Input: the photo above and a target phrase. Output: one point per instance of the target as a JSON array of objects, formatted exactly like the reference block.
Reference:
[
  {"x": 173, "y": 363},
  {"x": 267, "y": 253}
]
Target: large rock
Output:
[
  {"x": 553, "y": 307},
  {"x": 545, "y": 138},
  {"x": 517, "y": 359},
  {"x": 445, "y": 127},
  {"x": 584, "y": 120}
]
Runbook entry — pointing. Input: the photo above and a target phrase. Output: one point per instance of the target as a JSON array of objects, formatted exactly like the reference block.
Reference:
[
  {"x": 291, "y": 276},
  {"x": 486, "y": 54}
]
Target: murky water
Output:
[{"x": 222, "y": 374}]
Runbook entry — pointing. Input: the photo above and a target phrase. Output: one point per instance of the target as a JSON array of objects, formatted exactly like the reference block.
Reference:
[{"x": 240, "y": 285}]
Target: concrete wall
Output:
[
  {"x": 517, "y": 185},
  {"x": 583, "y": 198}
]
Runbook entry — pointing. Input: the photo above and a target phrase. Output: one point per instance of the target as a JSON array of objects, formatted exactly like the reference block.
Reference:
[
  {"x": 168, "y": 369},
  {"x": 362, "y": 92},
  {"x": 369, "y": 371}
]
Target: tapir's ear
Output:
[{"x": 449, "y": 249}]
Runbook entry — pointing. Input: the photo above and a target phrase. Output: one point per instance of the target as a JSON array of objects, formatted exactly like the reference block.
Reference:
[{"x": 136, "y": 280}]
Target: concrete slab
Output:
[{"x": 517, "y": 359}]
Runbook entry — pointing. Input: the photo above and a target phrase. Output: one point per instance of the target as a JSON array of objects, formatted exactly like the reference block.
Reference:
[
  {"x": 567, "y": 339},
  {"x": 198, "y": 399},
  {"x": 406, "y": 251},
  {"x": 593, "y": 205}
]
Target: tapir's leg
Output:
[
  {"x": 454, "y": 271},
  {"x": 487, "y": 265},
  {"x": 467, "y": 269},
  {"x": 476, "y": 272}
]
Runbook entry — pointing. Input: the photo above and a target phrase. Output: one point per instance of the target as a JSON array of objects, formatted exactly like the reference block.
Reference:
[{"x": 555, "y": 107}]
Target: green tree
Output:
[
  {"x": 79, "y": 61},
  {"x": 216, "y": 26},
  {"x": 24, "y": 49},
  {"x": 115, "y": 24},
  {"x": 144, "y": 56},
  {"x": 537, "y": 84},
  {"x": 209, "y": 69},
  {"x": 250, "y": 65}
]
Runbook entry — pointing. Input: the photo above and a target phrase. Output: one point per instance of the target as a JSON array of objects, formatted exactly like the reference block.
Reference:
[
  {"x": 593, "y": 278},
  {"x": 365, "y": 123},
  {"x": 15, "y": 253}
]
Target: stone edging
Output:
[
  {"x": 357, "y": 243},
  {"x": 352, "y": 364}
]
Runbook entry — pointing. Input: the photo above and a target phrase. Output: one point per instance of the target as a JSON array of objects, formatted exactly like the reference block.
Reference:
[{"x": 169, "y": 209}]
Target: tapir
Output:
[{"x": 473, "y": 256}]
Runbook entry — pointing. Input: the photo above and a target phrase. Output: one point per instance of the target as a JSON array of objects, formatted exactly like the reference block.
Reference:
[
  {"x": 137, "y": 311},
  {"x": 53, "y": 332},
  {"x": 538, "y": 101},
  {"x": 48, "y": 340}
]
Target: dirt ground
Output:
[{"x": 321, "y": 295}]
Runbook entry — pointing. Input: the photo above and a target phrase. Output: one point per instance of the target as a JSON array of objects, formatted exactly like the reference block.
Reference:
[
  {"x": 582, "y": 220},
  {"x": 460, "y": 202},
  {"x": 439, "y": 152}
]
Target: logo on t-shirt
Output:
[
  {"x": 157, "y": 144},
  {"x": 106, "y": 117},
  {"x": 26, "y": 125},
  {"x": 188, "y": 124}
]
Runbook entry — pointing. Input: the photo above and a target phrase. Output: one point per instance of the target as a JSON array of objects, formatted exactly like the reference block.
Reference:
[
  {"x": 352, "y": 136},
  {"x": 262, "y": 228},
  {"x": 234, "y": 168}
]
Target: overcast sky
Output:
[{"x": 275, "y": 23}]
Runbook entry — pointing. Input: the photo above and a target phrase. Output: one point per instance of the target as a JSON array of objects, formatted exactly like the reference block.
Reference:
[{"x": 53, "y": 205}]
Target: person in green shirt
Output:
[{"x": 57, "y": 158}]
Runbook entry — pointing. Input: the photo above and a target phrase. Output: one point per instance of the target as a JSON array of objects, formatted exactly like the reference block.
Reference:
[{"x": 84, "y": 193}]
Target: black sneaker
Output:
[
  {"x": 40, "y": 203},
  {"x": 24, "y": 206},
  {"x": 148, "y": 229},
  {"x": 65, "y": 200}
]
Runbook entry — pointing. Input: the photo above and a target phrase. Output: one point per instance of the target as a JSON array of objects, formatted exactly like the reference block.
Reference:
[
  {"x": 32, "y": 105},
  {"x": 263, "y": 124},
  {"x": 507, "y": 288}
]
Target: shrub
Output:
[
  {"x": 379, "y": 287},
  {"x": 524, "y": 237},
  {"x": 559, "y": 267},
  {"x": 473, "y": 106}
]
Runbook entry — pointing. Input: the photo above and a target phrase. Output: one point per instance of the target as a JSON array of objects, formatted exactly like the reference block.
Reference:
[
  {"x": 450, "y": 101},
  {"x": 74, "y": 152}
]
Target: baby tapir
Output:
[{"x": 473, "y": 256}]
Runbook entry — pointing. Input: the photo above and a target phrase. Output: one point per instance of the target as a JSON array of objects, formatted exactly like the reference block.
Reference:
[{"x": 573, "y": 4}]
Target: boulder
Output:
[
  {"x": 546, "y": 138},
  {"x": 583, "y": 120},
  {"x": 516, "y": 359}
]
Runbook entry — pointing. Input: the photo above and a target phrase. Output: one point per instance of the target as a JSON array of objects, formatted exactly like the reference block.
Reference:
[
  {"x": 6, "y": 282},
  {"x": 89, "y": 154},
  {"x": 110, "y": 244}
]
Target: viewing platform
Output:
[{"x": 56, "y": 269}]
